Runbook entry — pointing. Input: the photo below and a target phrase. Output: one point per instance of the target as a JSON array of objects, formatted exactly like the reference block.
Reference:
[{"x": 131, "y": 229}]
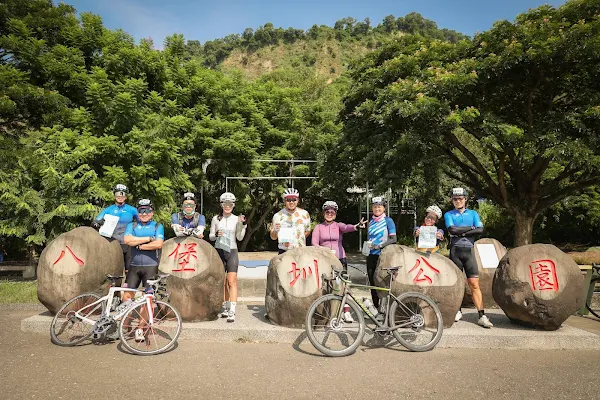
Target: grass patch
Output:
[{"x": 18, "y": 292}]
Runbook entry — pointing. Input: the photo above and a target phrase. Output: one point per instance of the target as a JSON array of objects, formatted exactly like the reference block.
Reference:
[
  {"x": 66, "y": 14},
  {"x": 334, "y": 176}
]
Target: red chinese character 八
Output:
[
  {"x": 189, "y": 251},
  {"x": 297, "y": 272},
  {"x": 543, "y": 275},
  {"x": 425, "y": 277},
  {"x": 78, "y": 260}
]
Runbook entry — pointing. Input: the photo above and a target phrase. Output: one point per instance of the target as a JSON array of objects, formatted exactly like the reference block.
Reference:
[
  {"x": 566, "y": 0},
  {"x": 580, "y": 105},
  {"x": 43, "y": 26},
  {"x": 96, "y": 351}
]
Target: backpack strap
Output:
[
  {"x": 196, "y": 219},
  {"x": 179, "y": 218}
]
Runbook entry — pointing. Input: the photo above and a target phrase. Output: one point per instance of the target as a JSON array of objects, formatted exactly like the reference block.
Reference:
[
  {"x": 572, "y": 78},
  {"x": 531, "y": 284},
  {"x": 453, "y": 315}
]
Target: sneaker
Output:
[
  {"x": 485, "y": 322},
  {"x": 347, "y": 317},
  {"x": 458, "y": 316},
  {"x": 231, "y": 316},
  {"x": 224, "y": 313},
  {"x": 139, "y": 335}
]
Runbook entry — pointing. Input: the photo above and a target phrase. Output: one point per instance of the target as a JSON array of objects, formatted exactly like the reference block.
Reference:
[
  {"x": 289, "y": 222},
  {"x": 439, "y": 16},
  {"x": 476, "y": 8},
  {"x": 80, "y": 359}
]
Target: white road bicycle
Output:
[{"x": 146, "y": 325}]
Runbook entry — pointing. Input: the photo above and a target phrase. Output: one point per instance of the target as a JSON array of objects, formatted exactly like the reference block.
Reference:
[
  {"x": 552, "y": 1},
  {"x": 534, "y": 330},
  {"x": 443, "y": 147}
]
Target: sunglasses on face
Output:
[
  {"x": 290, "y": 200},
  {"x": 189, "y": 205},
  {"x": 227, "y": 204},
  {"x": 458, "y": 199},
  {"x": 145, "y": 211},
  {"x": 430, "y": 218}
]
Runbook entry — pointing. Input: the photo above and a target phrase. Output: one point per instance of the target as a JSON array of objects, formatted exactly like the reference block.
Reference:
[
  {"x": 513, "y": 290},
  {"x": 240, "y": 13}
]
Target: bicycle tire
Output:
[
  {"x": 82, "y": 301},
  {"x": 151, "y": 334},
  {"x": 409, "y": 305},
  {"x": 595, "y": 312},
  {"x": 316, "y": 316}
]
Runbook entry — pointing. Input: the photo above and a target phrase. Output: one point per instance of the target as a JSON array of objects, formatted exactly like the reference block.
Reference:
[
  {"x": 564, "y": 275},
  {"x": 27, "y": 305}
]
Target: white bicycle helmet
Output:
[
  {"x": 120, "y": 188},
  {"x": 227, "y": 197},
  {"x": 188, "y": 196},
  {"x": 330, "y": 204},
  {"x": 457, "y": 192},
  {"x": 290, "y": 192},
  {"x": 378, "y": 201},
  {"x": 434, "y": 209}
]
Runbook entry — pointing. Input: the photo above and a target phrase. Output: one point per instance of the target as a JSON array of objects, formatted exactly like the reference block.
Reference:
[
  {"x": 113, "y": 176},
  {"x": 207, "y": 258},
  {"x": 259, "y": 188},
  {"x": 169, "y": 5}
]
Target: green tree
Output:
[{"x": 514, "y": 114}]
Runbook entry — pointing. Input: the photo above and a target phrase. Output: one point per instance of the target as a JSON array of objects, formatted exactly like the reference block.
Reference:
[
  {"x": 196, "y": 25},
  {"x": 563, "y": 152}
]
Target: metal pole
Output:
[
  {"x": 367, "y": 201},
  {"x": 359, "y": 230},
  {"x": 227, "y": 184}
]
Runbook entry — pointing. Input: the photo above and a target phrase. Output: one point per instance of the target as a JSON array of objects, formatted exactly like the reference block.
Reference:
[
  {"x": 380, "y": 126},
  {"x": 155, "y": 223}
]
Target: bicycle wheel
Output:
[
  {"x": 333, "y": 337},
  {"x": 425, "y": 328},
  {"x": 141, "y": 338},
  {"x": 593, "y": 308},
  {"x": 67, "y": 329}
]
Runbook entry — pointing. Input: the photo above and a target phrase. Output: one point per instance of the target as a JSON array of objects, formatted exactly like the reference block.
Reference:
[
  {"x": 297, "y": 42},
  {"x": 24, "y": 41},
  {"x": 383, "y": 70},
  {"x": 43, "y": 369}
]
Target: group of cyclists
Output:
[{"x": 141, "y": 237}]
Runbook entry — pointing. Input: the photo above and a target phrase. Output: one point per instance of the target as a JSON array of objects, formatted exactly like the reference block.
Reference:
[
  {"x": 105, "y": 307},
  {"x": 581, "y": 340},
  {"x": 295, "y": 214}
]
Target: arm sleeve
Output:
[
  {"x": 129, "y": 230},
  {"x": 459, "y": 230},
  {"x": 212, "y": 235},
  {"x": 240, "y": 230},
  {"x": 473, "y": 232},
  {"x": 199, "y": 230},
  {"x": 345, "y": 228},
  {"x": 391, "y": 240},
  {"x": 175, "y": 225},
  {"x": 316, "y": 236},
  {"x": 160, "y": 232}
]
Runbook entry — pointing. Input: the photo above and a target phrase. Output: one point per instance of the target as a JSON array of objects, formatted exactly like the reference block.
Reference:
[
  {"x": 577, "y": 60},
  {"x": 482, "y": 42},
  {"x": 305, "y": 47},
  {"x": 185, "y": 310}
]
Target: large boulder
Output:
[
  {"x": 294, "y": 281},
  {"x": 431, "y": 274},
  {"x": 197, "y": 275},
  {"x": 76, "y": 262},
  {"x": 538, "y": 285},
  {"x": 488, "y": 253}
]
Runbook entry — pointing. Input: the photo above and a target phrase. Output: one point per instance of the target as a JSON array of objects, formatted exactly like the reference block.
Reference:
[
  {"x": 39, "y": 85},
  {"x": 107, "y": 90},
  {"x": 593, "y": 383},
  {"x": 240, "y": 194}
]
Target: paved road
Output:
[{"x": 31, "y": 367}]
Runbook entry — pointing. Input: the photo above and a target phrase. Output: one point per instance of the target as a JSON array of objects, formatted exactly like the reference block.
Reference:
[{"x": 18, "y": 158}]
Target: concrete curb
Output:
[
  {"x": 22, "y": 306},
  {"x": 251, "y": 326}
]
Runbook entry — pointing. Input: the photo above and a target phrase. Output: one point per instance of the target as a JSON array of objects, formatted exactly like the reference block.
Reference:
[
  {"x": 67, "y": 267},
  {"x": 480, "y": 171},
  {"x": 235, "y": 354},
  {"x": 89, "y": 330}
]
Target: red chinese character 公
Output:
[
  {"x": 296, "y": 272},
  {"x": 425, "y": 277},
  {"x": 78, "y": 260},
  {"x": 189, "y": 251},
  {"x": 543, "y": 275}
]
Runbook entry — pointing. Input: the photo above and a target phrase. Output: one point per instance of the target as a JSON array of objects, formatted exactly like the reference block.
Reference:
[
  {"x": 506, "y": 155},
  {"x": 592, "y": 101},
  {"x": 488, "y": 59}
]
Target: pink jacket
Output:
[{"x": 330, "y": 236}]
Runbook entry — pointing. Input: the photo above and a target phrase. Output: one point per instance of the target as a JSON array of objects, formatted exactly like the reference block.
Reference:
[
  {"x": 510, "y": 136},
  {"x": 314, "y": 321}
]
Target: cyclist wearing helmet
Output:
[
  {"x": 188, "y": 222},
  {"x": 329, "y": 232},
  {"x": 433, "y": 214},
  {"x": 295, "y": 220},
  {"x": 226, "y": 229},
  {"x": 125, "y": 212},
  {"x": 382, "y": 232},
  {"x": 462, "y": 224}
]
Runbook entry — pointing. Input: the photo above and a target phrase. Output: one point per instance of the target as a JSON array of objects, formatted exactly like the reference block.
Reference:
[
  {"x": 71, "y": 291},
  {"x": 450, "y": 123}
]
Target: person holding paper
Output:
[
  {"x": 382, "y": 232},
  {"x": 463, "y": 224},
  {"x": 433, "y": 213},
  {"x": 290, "y": 226},
  {"x": 125, "y": 214},
  {"x": 188, "y": 222},
  {"x": 225, "y": 229}
]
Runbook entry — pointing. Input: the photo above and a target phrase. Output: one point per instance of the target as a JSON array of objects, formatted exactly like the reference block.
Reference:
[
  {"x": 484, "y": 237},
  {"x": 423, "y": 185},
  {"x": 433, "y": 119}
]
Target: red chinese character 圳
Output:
[
  {"x": 78, "y": 260},
  {"x": 421, "y": 274},
  {"x": 543, "y": 275},
  {"x": 183, "y": 258},
  {"x": 296, "y": 273}
]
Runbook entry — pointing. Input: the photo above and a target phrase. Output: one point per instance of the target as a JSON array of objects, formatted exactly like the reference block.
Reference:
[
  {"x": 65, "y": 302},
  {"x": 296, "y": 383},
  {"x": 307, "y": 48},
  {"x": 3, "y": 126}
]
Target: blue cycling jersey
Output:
[
  {"x": 145, "y": 258},
  {"x": 466, "y": 218},
  {"x": 126, "y": 214},
  {"x": 380, "y": 231}
]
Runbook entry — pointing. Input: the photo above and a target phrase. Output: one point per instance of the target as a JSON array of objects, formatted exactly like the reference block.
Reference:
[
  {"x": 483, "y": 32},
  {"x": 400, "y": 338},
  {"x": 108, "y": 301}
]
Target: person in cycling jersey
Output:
[
  {"x": 329, "y": 232},
  {"x": 188, "y": 222},
  {"x": 145, "y": 239},
  {"x": 125, "y": 212},
  {"x": 463, "y": 224},
  {"x": 225, "y": 230},
  {"x": 294, "y": 220},
  {"x": 432, "y": 215},
  {"x": 381, "y": 233}
]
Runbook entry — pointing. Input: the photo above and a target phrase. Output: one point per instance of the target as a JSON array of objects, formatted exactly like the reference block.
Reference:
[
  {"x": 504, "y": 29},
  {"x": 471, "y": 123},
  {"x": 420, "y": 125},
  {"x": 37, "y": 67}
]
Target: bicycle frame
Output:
[
  {"x": 147, "y": 298},
  {"x": 380, "y": 326}
]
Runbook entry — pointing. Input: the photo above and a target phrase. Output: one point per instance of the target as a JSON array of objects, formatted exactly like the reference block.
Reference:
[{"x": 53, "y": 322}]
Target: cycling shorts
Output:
[
  {"x": 230, "y": 259},
  {"x": 135, "y": 275},
  {"x": 464, "y": 258}
]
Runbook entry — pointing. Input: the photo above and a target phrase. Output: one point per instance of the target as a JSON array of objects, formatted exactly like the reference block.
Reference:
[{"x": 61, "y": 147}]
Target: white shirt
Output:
[{"x": 229, "y": 226}]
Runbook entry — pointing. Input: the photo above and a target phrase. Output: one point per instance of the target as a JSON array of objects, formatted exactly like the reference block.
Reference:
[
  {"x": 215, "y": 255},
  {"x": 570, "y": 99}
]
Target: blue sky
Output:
[{"x": 206, "y": 20}]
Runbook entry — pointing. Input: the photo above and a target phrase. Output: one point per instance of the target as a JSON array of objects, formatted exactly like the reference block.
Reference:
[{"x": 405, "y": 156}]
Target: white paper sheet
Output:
[
  {"x": 427, "y": 239},
  {"x": 286, "y": 234},
  {"x": 110, "y": 223},
  {"x": 488, "y": 256},
  {"x": 366, "y": 249}
]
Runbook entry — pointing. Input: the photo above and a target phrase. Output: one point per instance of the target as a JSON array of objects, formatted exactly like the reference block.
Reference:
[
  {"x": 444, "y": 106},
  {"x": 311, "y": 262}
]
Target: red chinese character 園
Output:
[
  {"x": 183, "y": 258},
  {"x": 421, "y": 275},
  {"x": 543, "y": 275},
  {"x": 78, "y": 260},
  {"x": 296, "y": 273}
]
